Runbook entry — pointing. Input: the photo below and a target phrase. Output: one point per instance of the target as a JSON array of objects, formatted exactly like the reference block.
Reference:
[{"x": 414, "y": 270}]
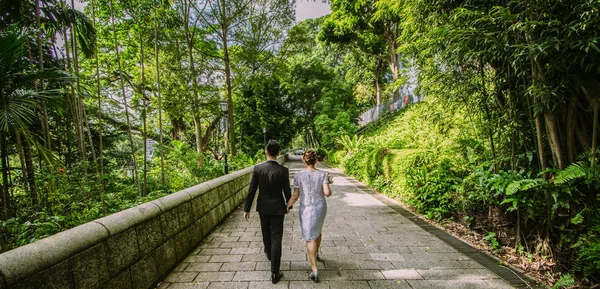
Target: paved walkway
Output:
[{"x": 366, "y": 244}]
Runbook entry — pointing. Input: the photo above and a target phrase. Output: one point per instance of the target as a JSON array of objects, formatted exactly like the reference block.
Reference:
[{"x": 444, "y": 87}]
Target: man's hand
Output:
[{"x": 247, "y": 216}]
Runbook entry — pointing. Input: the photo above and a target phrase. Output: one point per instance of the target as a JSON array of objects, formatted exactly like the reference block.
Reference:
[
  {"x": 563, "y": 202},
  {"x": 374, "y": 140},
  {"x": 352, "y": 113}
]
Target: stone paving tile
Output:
[
  {"x": 203, "y": 267},
  {"x": 195, "y": 285},
  {"x": 266, "y": 266},
  {"x": 401, "y": 274},
  {"x": 241, "y": 266},
  {"x": 225, "y": 258},
  {"x": 364, "y": 275},
  {"x": 366, "y": 244},
  {"x": 425, "y": 264},
  {"x": 269, "y": 284},
  {"x": 244, "y": 251},
  {"x": 215, "y": 251},
  {"x": 294, "y": 257},
  {"x": 387, "y": 257},
  {"x": 448, "y": 284},
  {"x": 181, "y": 267},
  {"x": 214, "y": 276},
  {"x": 308, "y": 285},
  {"x": 348, "y": 284},
  {"x": 197, "y": 259},
  {"x": 454, "y": 274},
  {"x": 252, "y": 276},
  {"x": 297, "y": 275},
  {"x": 208, "y": 244},
  {"x": 251, "y": 238},
  {"x": 255, "y": 257},
  {"x": 180, "y": 277},
  {"x": 228, "y": 285},
  {"x": 388, "y": 284},
  {"x": 235, "y": 244}
]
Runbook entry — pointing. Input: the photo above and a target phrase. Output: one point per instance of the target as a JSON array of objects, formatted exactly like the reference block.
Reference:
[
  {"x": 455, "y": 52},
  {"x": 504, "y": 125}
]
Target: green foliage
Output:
[
  {"x": 577, "y": 171},
  {"x": 588, "y": 254},
  {"x": 565, "y": 281},
  {"x": 434, "y": 190},
  {"x": 491, "y": 238},
  {"x": 336, "y": 157},
  {"x": 350, "y": 144},
  {"x": 262, "y": 105}
]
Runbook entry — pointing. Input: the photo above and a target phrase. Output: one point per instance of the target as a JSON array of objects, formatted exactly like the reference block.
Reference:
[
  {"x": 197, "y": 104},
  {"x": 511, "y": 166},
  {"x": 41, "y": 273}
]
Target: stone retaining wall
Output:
[{"x": 132, "y": 249}]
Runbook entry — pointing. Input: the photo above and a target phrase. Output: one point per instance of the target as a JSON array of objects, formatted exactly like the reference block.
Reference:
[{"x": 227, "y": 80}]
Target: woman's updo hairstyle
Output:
[{"x": 310, "y": 157}]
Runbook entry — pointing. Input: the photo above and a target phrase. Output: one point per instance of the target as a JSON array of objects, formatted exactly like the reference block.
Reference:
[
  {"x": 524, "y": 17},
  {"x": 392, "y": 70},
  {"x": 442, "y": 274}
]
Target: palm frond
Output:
[
  {"x": 46, "y": 74},
  {"x": 12, "y": 50},
  {"x": 17, "y": 110}
]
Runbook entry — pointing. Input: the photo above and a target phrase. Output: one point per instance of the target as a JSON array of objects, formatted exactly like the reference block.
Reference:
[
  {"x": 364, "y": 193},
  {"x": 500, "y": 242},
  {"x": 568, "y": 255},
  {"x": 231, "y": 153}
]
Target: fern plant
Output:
[
  {"x": 577, "y": 171},
  {"x": 565, "y": 281}
]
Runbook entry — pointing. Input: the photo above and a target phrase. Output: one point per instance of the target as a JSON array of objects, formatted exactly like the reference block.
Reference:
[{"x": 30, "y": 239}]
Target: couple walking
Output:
[{"x": 275, "y": 200}]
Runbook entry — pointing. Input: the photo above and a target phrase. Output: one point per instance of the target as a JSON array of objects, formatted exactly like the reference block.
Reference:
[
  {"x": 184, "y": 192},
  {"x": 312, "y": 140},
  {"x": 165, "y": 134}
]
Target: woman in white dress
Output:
[{"x": 311, "y": 186}]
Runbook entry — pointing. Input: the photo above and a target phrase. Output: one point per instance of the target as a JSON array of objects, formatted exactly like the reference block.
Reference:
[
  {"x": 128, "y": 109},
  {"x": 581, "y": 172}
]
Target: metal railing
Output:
[{"x": 376, "y": 112}]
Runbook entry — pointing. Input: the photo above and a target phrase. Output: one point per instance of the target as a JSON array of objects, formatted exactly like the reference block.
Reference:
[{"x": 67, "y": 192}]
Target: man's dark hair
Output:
[{"x": 272, "y": 148}]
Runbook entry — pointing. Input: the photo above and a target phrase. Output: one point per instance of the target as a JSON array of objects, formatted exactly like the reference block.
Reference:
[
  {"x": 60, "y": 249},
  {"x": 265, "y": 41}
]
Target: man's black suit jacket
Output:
[{"x": 273, "y": 181}]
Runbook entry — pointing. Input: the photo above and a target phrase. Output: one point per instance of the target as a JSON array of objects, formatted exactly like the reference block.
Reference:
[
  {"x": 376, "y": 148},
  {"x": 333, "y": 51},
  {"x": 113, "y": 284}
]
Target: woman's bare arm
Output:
[{"x": 326, "y": 190}]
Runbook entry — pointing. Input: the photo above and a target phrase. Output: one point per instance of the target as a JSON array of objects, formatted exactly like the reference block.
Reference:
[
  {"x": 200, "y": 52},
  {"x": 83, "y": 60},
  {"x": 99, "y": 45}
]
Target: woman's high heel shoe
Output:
[{"x": 314, "y": 275}]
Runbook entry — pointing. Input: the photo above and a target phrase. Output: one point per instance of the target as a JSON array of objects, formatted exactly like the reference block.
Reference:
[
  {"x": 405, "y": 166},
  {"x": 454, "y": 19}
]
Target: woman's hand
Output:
[{"x": 293, "y": 199}]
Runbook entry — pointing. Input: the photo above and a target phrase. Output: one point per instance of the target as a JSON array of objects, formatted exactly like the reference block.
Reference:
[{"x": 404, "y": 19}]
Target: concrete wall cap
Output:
[
  {"x": 27, "y": 260},
  {"x": 173, "y": 200},
  {"x": 198, "y": 190},
  {"x": 215, "y": 183},
  {"x": 243, "y": 172},
  {"x": 123, "y": 220}
]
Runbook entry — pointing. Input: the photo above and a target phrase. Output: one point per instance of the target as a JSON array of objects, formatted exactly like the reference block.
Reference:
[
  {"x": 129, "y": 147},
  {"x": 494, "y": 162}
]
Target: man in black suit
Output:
[{"x": 273, "y": 181}]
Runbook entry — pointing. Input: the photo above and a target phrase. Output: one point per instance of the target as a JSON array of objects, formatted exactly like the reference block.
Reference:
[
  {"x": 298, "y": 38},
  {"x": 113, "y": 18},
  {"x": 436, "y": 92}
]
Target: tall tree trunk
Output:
[
  {"x": 487, "y": 112},
  {"x": 513, "y": 135},
  {"x": 23, "y": 169},
  {"x": 29, "y": 168},
  {"x": 43, "y": 112},
  {"x": 228, "y": 84},
  {"x": 379, "y": 71},
  {"x": 554, "y": 138},
  {"x": 5, "y": 182},
  {"x": 133, "y": 157},
  {"x": 197, "y": 122},
  {"x": 540, "y": 140},
  {"x": 144, "y": 115},
  {"x": 100, "y": 128},
  {"x": 199, "y": 147},
  {"x": 571, "y": 127},
  {"x": 159, "y": 94},
  {"x": 78, "y": 100},
  {"x": 75, "y": 106},
  {"x": 596, "y": 106},
  {"x": 394, "y": 57}
]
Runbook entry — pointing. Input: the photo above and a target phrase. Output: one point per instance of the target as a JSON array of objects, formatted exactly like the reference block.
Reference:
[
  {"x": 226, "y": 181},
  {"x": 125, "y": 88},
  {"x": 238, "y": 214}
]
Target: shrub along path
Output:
[{"x": 368, "y": 242}]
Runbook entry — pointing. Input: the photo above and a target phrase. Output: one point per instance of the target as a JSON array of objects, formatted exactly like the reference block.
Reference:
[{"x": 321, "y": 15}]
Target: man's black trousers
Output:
[{"x": 272, "y": 231}]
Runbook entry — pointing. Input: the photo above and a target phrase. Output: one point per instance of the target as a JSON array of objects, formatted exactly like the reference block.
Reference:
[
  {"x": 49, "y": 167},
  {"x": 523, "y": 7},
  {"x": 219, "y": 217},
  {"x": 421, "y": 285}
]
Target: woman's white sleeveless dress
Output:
[{"x": 313, "y": 207}]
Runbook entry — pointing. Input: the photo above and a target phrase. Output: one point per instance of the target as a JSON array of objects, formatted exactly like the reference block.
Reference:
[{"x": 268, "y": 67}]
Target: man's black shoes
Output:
[{"x": 275, "y": 277}]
